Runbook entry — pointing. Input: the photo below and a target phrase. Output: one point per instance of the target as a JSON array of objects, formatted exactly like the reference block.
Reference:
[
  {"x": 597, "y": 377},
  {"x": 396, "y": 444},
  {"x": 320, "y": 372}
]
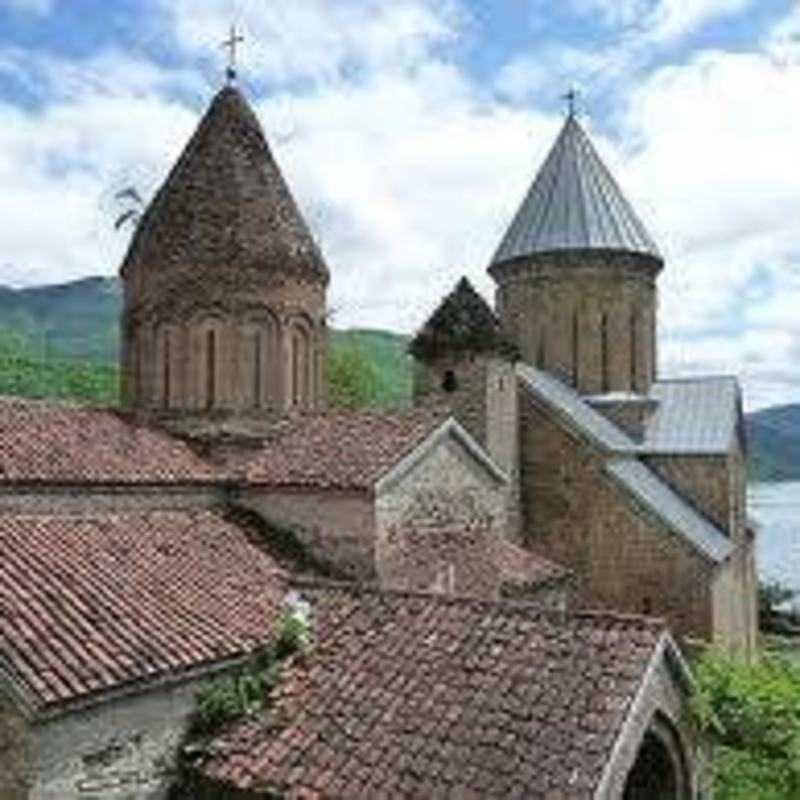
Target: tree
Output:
[{"x": 352, "y": 378}]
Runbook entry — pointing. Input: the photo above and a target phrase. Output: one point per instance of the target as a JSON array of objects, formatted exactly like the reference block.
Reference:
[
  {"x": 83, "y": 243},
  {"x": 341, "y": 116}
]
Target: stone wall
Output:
[
  {"x": 703, "y": 480},
  {"x": 86, "y": 500},
  {"x": 226, "y": 350},
  {"x": 624, "y": 558},
  {"x": 485, "y": 403},
  {"x": 437, "y": 526},
  {"x": 338, "y": 528},
  {"x": 660, "y": 709},
  {"x": 122, "y": 749},
  {"x": 587, "y": 317},
  {"x": 16, "y": 751}
]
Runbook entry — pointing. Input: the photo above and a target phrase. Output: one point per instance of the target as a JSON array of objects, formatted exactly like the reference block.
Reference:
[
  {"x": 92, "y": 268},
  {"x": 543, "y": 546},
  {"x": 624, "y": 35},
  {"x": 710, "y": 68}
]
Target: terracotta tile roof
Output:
[
  {"x": 94, "y": 603},
  {"x": 520, "y": 568},
  {"x": 58, "y": 443},
  {"x": 344, "y": 450},
  {"x": 423, "y": 696}
]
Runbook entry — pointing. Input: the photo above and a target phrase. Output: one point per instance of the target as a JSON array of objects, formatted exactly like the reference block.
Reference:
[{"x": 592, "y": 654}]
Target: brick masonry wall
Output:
[
  {"x": 703, "y": 480},
  {"x": 624, "y": 559},
  {"x": 338, "y": 528},
  {"x": 173, "y": 306},
  {"x": 544, "y": 301},
  {"x": 16, "y": 751},
  {"x": 436, "y": 527},
  {"x": 124, "y": 748}
]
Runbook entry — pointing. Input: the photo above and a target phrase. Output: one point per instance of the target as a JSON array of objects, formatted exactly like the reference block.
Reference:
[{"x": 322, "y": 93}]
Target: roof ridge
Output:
[{"x": 503, "y": 604}]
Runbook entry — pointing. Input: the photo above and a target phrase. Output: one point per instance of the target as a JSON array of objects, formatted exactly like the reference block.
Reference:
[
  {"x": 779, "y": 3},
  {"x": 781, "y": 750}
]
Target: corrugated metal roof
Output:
[
  {"x": 655, "y": 495},
  {"x": 695, "y": 415},
  {"x": 569, "y": 404},
  {"x": 574, "y": 203}
]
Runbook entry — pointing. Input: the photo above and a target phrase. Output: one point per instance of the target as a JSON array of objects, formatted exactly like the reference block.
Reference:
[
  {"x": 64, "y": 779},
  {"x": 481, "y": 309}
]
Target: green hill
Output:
[{"x": 62, "y": 341}]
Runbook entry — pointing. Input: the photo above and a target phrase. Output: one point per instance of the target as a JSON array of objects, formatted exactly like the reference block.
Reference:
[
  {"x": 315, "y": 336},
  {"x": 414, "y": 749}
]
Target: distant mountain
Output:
[
  {"x": 774, "y": 439},
  {"x": 67, "y": 322}
]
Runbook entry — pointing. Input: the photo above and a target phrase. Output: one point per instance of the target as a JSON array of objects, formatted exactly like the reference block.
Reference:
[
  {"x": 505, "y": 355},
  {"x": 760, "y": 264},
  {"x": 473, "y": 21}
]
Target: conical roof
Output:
[
  {"x": 226, "y": 204},
  {"x": 574, "y": 204},
  {"x": 463, "y": 322}
]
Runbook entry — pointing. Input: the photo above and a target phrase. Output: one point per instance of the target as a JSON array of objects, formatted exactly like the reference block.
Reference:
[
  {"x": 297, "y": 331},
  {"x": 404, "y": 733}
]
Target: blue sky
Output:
[{"x": 409, "y": 131}]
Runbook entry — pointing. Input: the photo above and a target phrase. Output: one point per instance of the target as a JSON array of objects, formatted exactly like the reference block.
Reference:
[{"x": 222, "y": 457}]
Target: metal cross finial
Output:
[
  {"x": 231, "y": 44},
  {"x": 571, "y": 96}
]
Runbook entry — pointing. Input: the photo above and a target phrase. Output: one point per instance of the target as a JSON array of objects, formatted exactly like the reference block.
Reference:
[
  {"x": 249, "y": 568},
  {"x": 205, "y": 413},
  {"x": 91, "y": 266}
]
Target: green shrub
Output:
[
  {"x": 752, "y": 716},
  {"x": 247, "y": 691}
]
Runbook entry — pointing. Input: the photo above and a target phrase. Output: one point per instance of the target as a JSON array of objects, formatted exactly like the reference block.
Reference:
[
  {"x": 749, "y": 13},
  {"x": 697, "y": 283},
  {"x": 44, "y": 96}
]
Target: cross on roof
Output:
[
  {"x": 571, "y": 97},
  {"x": 231, "y": 44}
]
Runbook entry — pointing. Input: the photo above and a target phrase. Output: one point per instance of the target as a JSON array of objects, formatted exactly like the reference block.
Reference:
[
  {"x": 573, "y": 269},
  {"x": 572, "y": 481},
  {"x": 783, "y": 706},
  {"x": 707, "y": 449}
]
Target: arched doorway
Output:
[{"x": 659, "y": 772}]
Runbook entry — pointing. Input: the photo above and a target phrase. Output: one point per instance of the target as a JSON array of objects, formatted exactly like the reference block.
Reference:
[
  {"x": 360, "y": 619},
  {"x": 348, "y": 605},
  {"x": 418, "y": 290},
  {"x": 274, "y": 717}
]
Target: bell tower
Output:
[
  {"x": 576, "y": 275},
  {"x": 224, "y": 286}
]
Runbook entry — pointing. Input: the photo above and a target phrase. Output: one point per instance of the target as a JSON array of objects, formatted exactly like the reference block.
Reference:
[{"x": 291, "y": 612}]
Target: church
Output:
[{"x": 504, "y": 580}]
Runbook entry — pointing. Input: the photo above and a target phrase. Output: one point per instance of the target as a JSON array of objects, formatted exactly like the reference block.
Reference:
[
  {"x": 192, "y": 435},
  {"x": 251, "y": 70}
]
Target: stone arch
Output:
[
  {"x": 205, "y": 363},
  {"x": 660, "y": 771},
  {"x": 260, "y": 359},
  {"x": 300, "y": 363}
]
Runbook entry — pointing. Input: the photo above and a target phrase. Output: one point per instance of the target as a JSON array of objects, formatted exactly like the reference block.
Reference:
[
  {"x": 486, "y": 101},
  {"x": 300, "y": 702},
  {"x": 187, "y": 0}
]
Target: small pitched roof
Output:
[
  {"x": 339, "y": 450},
  {"x": 693, "y": 415},
  {"x": 102, "y": 602},
  {"x": 427, "y": 696},
  {"x": 463, "y": 322},
  {"x": 575, "y": 411},
  {"x": 632, "y": 474},
  {"x": 225, "y": 204},
  {"x": 574, "y": 204},
  {"x": 50, "y": 442}
]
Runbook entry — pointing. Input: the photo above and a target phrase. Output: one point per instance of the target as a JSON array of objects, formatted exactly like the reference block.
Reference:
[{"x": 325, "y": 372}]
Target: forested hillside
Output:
[{"x": 62, "y": 341}]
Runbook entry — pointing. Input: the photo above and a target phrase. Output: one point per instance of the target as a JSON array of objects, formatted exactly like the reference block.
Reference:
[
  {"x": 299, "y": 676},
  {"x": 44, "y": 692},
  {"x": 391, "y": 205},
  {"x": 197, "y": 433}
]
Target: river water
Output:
[{"x": 776, "y": 507}]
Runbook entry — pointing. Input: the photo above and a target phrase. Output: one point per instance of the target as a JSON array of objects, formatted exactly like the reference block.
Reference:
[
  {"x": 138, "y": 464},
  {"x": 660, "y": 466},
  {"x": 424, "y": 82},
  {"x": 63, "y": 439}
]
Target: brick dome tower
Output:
[
  {"x": 224, "y": 286},
  {"x": 576, "y": 275}
]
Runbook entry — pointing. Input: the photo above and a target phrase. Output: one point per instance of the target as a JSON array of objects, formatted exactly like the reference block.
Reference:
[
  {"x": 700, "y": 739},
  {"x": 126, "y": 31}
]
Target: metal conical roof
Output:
[
  {"x": 574, "y": 204},
  {"x": 225, "y": 204}
]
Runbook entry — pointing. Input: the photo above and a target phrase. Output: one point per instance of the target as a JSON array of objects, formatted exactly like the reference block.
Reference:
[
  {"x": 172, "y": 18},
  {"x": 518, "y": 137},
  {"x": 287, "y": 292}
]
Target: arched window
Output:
[
  {"x": 604, "y": 352},
  {"x": 299, "y": 367},
  {"x": 211, "y": 369},
  {"x": 660, "y": 771},
  {"x": 167, "y": 369},
  {"x": 575, "y": 350},
  {"x": 633, "y": 351},
  {"x": 449, "y": 381},
  {"x": 257, "y": 355}
]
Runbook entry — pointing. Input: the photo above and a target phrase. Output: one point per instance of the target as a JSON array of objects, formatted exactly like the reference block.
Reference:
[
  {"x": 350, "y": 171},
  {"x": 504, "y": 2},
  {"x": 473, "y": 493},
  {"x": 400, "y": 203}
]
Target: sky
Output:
[{"x": 409, "y": 131}]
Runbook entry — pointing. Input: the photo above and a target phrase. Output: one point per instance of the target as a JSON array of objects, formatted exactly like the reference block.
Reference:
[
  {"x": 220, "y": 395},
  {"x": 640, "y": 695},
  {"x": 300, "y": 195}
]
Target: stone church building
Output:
[{"x": 503, "y": 578}]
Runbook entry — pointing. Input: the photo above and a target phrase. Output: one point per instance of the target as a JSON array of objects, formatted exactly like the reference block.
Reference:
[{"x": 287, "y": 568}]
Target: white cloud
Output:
[
  {"x": 717, "y": 143},
  {"x": 317, "y": 39},
  {"x": 661, "y": 21},
  {"x": 783, "y": 40}
]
